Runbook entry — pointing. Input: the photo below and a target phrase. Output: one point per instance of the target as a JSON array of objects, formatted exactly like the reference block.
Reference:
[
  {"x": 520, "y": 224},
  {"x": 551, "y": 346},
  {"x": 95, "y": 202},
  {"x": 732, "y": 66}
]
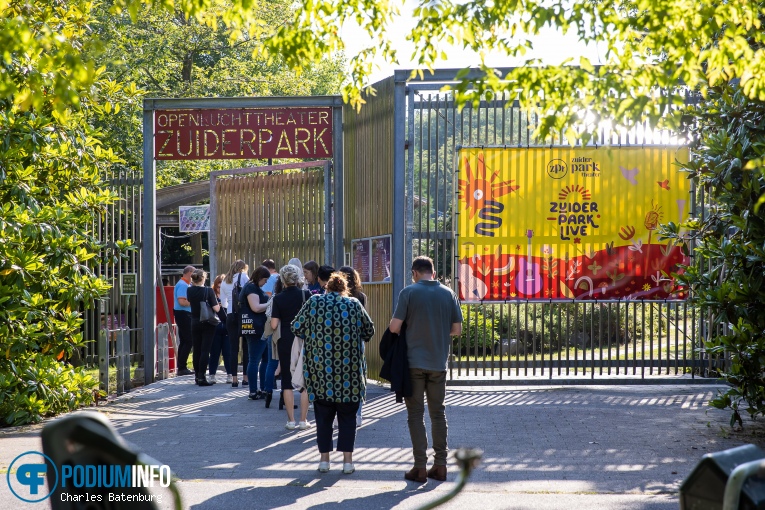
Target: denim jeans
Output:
[
  {"x": 220, "y": 345},
  {"x": 270, "y": 368},
  {"x": 257, "y": 347}
]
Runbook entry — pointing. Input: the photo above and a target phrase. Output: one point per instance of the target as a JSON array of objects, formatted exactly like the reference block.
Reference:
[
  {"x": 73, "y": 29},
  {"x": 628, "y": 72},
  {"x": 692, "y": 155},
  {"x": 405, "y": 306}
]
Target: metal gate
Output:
[{"x": 534, "y": 341}]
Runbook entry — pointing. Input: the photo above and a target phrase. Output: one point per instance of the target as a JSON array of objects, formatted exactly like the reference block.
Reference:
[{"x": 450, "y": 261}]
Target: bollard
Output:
[
  {"x": 103, "y": 360},
  {"x": 163, "y": 362}
]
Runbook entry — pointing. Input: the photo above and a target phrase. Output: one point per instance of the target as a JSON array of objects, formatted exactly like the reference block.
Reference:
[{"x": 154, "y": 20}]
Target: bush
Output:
[
  {"x": 726, "y": 277},
  {"x": 479, "y": 333}
]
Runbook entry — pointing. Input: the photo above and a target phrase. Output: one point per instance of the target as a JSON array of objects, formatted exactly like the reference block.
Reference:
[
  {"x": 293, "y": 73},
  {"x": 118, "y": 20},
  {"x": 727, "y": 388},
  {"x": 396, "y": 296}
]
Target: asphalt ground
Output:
[{"x": 581, "y": 447}]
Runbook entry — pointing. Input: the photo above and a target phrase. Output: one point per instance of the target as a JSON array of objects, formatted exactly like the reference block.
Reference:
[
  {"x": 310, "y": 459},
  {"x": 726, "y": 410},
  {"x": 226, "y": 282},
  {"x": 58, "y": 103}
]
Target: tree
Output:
[
  {"x": 727, "y": 276},
  {"x": 50, "y": 166},
  {"x": 171, "y": 54}
]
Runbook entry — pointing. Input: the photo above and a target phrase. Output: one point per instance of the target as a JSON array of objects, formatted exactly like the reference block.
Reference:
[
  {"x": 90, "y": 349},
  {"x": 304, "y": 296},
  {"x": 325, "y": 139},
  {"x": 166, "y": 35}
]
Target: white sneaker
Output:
[
  {"x": 334, "y": 423},
  {"x": 210, "y": 379},
  {"x": 291, "y": 425},
  {"x": 348, "y": 468},
  {"x": 304, "y": 425},
  {"x": 323, "y": 467},
  {"x": 310, "y": 406},
  {"x": 359, "y": 420},
  {"x": 229, "y": 379}
]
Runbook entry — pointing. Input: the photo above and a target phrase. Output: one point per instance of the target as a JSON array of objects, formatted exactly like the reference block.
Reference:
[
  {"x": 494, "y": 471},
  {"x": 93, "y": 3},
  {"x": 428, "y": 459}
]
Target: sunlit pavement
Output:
[{"x": 615, "y": 447}]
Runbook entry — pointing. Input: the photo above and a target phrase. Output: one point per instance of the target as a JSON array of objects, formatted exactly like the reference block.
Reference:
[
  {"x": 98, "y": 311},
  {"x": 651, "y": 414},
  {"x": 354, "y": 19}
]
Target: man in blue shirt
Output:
[
  {"x": 268, "y": 288},
  {"x": 182, "y": 312}
]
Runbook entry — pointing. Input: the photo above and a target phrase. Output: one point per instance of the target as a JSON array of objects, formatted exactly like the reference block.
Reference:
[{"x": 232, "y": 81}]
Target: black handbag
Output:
[
  {"x": 206, "y": 313},
  {"x": 236, "y": 305}
]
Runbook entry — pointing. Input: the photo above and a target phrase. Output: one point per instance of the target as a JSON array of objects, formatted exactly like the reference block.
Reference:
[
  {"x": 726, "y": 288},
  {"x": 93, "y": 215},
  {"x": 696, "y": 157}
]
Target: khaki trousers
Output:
[{"x": 432, "y": 384}]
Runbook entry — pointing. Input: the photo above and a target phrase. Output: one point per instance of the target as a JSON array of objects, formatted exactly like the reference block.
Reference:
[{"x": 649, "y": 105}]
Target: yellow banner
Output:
[{"x": 569, "y": 223}]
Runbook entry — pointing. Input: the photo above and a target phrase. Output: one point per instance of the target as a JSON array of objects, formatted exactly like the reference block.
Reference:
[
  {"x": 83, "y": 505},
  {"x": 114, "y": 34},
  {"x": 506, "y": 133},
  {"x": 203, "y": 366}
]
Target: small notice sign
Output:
[
  {"x": 195, "y": 218},
  {"x": 129, "y": 284}
]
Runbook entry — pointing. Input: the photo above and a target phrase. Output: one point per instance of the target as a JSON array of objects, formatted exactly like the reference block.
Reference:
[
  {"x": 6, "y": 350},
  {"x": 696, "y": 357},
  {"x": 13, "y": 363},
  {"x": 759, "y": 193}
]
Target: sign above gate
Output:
[{"x": 243, "y": 133}]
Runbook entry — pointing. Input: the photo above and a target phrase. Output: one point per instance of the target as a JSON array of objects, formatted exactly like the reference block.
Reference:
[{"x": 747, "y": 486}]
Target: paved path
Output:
[{"x": 589, "y": 447}]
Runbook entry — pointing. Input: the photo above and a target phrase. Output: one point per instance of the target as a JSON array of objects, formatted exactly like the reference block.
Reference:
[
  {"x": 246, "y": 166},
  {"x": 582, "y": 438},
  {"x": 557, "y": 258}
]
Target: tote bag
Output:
[{"x": 206, "y": 313}]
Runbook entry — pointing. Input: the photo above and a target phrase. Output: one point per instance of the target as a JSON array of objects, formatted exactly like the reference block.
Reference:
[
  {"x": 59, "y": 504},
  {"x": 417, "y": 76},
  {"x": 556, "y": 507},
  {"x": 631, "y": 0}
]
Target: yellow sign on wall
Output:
[{"x": 569, "y": 223}]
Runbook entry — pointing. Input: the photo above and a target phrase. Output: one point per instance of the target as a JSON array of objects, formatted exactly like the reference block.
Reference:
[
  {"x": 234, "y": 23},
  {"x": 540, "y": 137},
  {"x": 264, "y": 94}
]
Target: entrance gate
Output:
[
  {"x": 529, "y": 341},
  {"x": 394, "y": 182}
]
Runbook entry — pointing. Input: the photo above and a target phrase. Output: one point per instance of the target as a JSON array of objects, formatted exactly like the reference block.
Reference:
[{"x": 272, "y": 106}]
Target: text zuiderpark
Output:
[{"x": 243, "y": 133}]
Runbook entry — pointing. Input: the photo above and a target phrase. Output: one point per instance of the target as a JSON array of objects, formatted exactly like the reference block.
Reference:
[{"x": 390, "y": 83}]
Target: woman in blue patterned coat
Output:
[{"x": 334, "y": 327}]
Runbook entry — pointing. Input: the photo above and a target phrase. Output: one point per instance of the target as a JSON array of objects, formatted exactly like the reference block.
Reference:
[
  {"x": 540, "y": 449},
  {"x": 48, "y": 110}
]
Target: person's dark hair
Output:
[
  {"x": 259, "y": 273},
  {"x": 324, "y": 272},
  {"x": 336, "y": 282},
  {"x": 354, "y": 281},
  {"x": 278, "y": 287},
  {"x": 313, "y": 267},
  {"x": 423, "y": 265},
  {"x": 269, "y": 263}
]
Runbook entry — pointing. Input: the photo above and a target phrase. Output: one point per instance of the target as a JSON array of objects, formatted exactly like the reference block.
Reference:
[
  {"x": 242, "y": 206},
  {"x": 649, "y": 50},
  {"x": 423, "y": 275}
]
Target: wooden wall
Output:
[
  {"x": 276, "y": 216},
  {"x": 368, "y": 189}
]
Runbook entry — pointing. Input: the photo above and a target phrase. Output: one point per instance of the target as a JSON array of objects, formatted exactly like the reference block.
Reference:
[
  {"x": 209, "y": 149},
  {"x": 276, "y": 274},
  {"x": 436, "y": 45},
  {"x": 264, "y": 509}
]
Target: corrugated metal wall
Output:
[
  {"x": 278, "y": 216},
  {"x": 368, "y": 174}
]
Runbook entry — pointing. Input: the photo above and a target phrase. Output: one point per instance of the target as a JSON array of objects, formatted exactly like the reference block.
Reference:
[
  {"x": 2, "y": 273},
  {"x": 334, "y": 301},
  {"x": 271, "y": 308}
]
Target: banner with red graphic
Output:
[{"x": 569, "y": 223}]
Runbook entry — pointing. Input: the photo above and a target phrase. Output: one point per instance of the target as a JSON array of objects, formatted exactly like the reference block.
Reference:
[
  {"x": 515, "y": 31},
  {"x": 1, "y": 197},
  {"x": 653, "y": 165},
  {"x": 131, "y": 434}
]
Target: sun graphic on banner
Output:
[{"x": 477, "y": 190}]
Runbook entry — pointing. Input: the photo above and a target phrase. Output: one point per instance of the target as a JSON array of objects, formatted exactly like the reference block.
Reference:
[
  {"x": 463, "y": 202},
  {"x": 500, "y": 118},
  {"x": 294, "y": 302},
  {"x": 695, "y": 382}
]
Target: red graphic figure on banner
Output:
[{"x": 477, "y": 190}]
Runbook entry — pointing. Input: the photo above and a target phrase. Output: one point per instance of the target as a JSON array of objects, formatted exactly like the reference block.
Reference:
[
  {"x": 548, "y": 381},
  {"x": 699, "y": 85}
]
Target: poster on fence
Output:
[
  {"x": 569, "y": 223},
  {"x": 360, "y": 256},
  {"x": 194, "y": 218}
]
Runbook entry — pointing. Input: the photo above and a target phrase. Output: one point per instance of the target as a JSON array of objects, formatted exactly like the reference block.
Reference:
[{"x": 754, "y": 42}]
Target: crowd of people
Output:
[{"x": 304, "y": 328}]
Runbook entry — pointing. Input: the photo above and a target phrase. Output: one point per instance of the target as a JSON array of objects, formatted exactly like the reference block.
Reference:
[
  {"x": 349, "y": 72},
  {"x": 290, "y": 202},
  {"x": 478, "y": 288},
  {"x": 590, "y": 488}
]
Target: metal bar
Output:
[
  {"x": 244, "y": 102},
  {"x": 149, "y": 248},
  {"x": 272, "y": 168},
  {"x": 338, "y": 207},
  {"x": 399, "y": 190},
  {"x": 412, "y": 142},
  {"x": 327, "y": 217}
]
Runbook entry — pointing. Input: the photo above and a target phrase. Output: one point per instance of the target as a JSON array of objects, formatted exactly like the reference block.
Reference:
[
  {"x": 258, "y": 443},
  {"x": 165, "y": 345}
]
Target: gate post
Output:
[
  {"x": 149, "y": 249},
  {"x": 399, "y": 188},
  {"x": 339, "y": 200}
]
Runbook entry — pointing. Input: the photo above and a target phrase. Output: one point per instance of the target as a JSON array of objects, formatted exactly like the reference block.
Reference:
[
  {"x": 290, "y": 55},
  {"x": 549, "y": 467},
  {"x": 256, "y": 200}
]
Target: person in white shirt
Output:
[{"x": 235, "y": 278}]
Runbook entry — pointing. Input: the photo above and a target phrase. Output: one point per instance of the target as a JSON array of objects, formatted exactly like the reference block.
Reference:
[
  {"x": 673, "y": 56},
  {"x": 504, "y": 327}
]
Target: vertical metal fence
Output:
[
  {"x": 112, "y": 327},
  {"x": 533, "y": 340}
]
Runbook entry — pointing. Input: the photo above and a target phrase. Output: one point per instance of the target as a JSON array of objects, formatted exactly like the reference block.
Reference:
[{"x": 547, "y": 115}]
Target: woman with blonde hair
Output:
[
  {"x": 236, "y": 278},
  {"x": 285, "y": 306},
  {"x": 202, "y": 333},
  {"x": 334, "y": 327}
]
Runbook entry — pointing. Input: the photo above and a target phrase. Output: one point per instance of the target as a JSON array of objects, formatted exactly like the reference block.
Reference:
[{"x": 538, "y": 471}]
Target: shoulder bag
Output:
[
  {"x": 297, "y": 360},
  {"x": 206, "y": 313}
]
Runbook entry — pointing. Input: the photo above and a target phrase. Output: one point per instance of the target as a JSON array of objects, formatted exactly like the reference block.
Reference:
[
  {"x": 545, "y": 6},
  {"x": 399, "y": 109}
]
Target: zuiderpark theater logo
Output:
[{"x": 33, "y": 477}]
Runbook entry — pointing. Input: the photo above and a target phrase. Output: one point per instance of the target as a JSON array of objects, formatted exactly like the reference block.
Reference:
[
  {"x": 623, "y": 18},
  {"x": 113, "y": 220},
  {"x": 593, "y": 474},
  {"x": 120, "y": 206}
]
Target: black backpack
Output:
[{"x": 236, "y": 303}]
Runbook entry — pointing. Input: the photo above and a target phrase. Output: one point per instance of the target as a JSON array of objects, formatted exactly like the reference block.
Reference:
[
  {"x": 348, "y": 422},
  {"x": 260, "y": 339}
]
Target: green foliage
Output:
[
  {"x": 478, "y": 331},
  {"x": 50, "y": 197},
  {"x": 729, "y": 242},
  {"x": 172, "y": 54},
  {"x": 546, "y": 327}
]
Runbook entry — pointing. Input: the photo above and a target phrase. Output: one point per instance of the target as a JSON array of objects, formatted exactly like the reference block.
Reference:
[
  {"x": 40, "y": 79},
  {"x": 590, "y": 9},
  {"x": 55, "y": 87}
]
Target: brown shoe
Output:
[
  {"x": 417, "y": 475},
  {"x": 437, "y": 473}
]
